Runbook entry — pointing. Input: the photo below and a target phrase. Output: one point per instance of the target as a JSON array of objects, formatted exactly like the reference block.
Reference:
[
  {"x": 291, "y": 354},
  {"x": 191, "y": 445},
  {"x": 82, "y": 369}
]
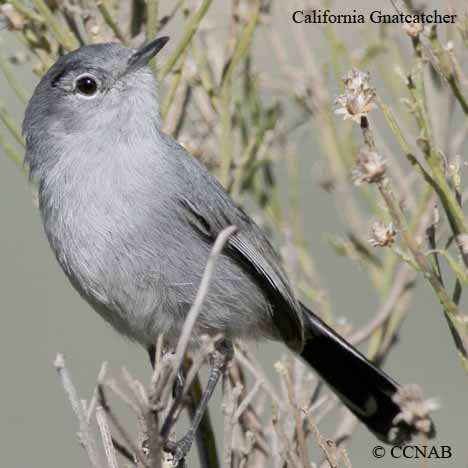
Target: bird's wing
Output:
[{"x": 210, "y": 211}]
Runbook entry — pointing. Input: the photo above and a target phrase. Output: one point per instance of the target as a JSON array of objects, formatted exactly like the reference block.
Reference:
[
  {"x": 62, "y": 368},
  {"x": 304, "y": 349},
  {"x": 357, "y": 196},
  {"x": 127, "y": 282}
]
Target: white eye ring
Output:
[{"x": 86, "y": 85}]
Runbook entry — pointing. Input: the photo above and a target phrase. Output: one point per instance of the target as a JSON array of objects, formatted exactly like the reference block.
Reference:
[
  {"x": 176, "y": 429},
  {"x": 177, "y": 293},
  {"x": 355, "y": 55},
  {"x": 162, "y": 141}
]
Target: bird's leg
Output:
[
  {"x": 177, "y": 388},
  {"x": 219, "y": 359}
]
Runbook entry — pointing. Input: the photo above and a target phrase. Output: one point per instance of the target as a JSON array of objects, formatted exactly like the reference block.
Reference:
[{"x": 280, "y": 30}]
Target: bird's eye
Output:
[{"x": 86, "y": 85}]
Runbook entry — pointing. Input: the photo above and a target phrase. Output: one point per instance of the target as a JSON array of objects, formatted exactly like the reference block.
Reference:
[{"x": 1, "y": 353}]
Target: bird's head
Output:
[{"x": 97, "y": 88}]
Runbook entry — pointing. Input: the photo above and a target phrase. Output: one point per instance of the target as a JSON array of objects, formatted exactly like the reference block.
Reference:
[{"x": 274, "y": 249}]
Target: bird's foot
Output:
[{"x": 180, "y": 449}]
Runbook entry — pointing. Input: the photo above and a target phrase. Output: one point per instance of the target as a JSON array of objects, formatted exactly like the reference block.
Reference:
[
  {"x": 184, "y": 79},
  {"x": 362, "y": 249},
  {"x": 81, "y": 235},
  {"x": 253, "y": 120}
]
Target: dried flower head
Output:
[
  {"x": 357, "y": 101},
  {"x": 413, "y": 29},
  {"x": 415, "y": 411},
  {"x": 370, "y": 167},
  {"x": 382, "y": 235}
]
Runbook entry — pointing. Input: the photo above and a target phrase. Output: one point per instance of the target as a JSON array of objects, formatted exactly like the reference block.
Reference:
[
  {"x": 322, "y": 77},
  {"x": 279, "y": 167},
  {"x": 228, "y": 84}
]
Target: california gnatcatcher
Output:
[{"x": 132, "y": 217}]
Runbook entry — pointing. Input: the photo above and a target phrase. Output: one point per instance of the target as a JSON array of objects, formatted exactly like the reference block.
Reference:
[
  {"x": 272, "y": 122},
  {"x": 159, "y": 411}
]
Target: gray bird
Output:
[{"x": 132, "y": 218}]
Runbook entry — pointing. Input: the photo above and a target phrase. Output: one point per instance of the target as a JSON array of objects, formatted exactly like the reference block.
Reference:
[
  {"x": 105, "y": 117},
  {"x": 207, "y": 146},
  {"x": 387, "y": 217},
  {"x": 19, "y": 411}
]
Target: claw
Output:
[{"x": 180, "y": 449}]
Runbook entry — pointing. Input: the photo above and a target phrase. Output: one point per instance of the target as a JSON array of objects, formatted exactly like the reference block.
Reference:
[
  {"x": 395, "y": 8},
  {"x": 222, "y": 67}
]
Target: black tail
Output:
[{"x": 366, "y": 390}]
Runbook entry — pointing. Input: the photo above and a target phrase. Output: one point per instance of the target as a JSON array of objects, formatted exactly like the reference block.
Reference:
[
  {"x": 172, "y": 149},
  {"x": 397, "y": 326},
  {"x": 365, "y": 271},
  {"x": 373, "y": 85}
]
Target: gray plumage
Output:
[{"x": 132, "y": 217}]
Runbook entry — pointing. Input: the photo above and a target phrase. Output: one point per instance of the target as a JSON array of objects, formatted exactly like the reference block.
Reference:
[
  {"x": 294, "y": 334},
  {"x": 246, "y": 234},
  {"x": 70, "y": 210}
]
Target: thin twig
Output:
[
  {"x": 95, "y": 396},
  {"x": 404, "y": 277},
  {"x": 202, "y": 292},
  {"x": 12, "y": 79},
  {"x": 106, "y": 13},
  {"x": 106, "y": 438},
  {"x": 70, "y": 390},
  {"x": 189, "y": 31},
  {"x": 63, "y": 35},
  {"x": 120, "y": 429}
]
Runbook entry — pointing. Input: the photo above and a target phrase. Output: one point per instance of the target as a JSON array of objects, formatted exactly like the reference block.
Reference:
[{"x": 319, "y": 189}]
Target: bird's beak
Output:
[{"x": 144, "y": 54}]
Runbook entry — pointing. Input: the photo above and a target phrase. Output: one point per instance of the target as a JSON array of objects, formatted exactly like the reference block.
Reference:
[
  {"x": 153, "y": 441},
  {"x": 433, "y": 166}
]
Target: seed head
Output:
[
  {"x": 357, "y": 101},
  {"x": 414, "y": 410},
  {"x": 413, "y": 29},
  {"x": 370, "y": 167},
  {"x": 382, "y": 235}
]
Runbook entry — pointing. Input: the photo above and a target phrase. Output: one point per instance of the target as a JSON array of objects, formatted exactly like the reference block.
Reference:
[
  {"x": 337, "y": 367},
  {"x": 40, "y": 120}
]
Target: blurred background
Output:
[{"x": 41, "y": 314}]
